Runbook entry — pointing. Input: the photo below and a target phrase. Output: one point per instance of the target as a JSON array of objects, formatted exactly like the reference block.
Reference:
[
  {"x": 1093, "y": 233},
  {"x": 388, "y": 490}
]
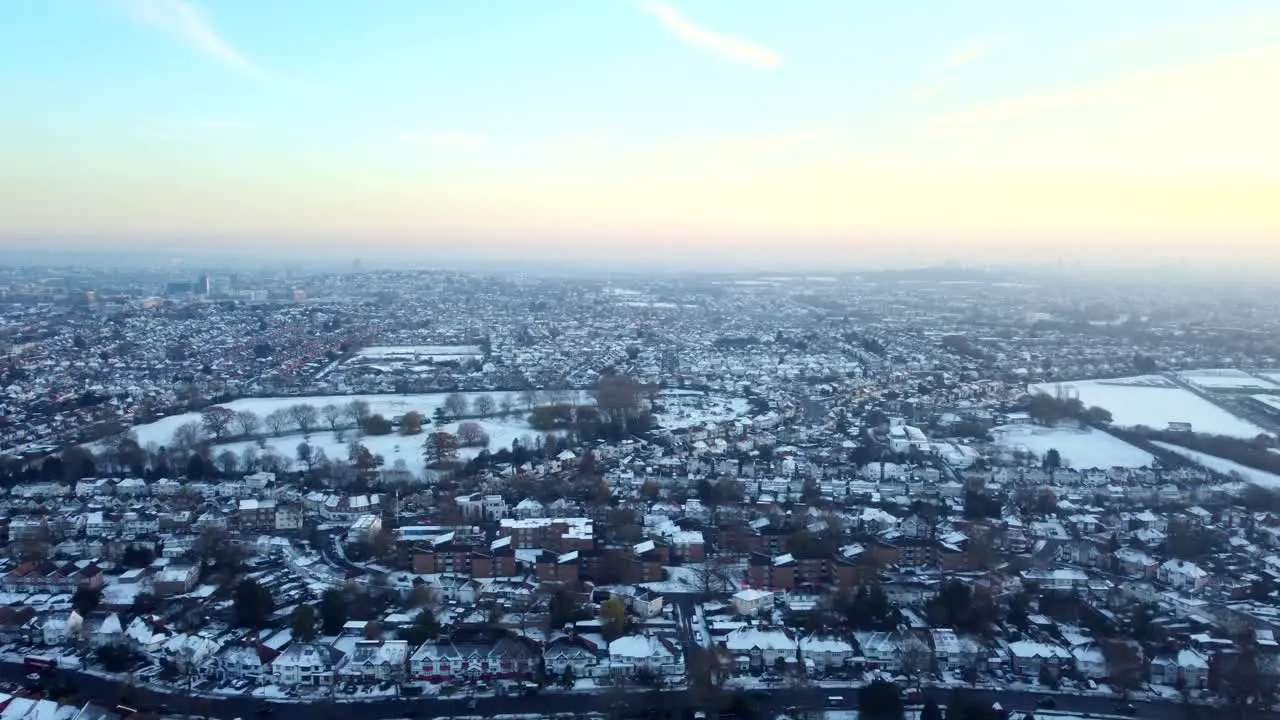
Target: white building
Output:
[
  {"x": 364, "y": 527},
  {"x": 632, "y": 653},
  {"x": 308, "y": 664},
  {"x": 751, "y": 602},
  {"x": 1182, "y": 574}
]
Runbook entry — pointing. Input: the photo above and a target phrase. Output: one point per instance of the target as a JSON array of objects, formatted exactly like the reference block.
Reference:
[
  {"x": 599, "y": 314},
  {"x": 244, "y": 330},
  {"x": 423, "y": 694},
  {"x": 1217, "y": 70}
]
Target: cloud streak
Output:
[
  {"x": 1239, "y": 76},
  {"x": 726, "y": 46},
  {"x": 187, "y": 23}
]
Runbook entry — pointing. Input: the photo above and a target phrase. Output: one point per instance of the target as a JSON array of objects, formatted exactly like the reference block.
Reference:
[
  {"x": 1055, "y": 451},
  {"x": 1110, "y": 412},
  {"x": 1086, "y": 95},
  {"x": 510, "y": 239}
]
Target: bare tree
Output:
[
  {"x": 507, "y": 403},
  {"x": 528, "y": 398},
  {"x": 915, "y": 660},
  {"x": 332, "y": 415},
  {"x": 186, "y": 438},
  {"x": 358, "y": 411},
  {"x": 247, "y": 423},
  {"x": 304, "y": 416},
  {"x": 277, "y": 421},
  {"x": 1124, "y": 665},
  {"x": 483, "y": 405},
  {"x": 217, "y": 421},
  {"x": 455, "y": 404}
]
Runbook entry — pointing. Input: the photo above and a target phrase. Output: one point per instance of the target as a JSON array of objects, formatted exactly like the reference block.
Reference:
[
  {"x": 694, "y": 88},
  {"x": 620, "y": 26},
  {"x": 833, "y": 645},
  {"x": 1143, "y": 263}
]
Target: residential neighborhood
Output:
[{"x": 709, "y": 487}]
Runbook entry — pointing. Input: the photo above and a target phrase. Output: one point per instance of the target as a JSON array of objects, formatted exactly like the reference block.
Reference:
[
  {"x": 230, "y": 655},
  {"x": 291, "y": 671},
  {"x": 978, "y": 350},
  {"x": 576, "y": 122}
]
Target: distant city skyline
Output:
[{"x": 694, "y": 133}]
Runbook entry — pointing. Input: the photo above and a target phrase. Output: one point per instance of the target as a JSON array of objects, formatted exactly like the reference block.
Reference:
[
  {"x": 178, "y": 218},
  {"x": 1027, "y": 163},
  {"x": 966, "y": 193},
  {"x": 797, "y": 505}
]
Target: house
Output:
[
  {"x": 1090, "y": 661},
  {"x": 482, "y": 507},
  {"x": 107, "y": 632},
  {"x": 530, "y": 508},
  {"x": 1060, "y": 579},
  {"x": 289, "y": 517},
  {"x": 146, "y": 635},
  {"x": 751, "y": 602},
  {"x": 189, "y": 650},
  {"x": 1182, "y": 574},
  {"x": 248, "y": 661},
  {"x": 477, "y": 655},
  {"x": 640, "y": 601},
  {"x": 1193, "y": 669},
  {"x": 631, "y": 654},
  {"x": 824, "y": 653},
  {"x": 364, "y": 528},
  {"x": 574, "y": 653},
  {"x": 760, "y": 649},
  {"x": 305, "y": 664},
  {"x": 1028, "y": 657},
  {"x": 947, "y": 649},
  {"x": 1135, "y": 563},
  {"x": 175, "y": 580},
  {"x": 376, "y": 660},
  {"x": 58, "y": 628}
]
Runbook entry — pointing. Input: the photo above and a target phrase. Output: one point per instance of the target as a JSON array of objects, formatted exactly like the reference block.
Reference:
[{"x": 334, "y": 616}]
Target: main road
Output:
[{"x": 106, "y": 692}]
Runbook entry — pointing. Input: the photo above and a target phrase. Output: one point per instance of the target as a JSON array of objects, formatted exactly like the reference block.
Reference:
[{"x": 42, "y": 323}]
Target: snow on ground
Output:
[
  {"x": 1222, "y": 465},
  {"x": 1155, "y": 402},
  {"x": 1080, "y": 449},
  {"x": 419, "y": 352},
  {"x": 683, "y": 409},
  {"x": 393, "y": 447},
  {"x": 387, "y": 405},
  {"x": 1271, "y": 401},
  {"x": 1272, "y": 375},
  {"x": 1226, "y": 379}
]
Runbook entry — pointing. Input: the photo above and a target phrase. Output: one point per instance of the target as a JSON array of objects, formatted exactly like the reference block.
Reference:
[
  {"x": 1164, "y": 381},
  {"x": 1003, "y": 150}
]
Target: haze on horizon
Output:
[{"x": 745, "y": 131}]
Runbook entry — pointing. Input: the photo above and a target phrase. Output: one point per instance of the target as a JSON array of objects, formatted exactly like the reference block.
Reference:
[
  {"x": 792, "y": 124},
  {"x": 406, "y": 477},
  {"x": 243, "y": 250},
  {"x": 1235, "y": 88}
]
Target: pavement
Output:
[{"x": 107, "y": 692}]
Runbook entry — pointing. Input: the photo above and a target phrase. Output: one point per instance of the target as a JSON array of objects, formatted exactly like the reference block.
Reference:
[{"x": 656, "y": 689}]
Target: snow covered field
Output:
[
  {"x": 394, "y": 447},
  {"x": 1226, "y": 379},
  {"x": 407, "y": 352},
  {"x": 683, "y": 408},
  {"x": 1080, "y": 449},
  {"x": 161, "y": 431},
  {"x": 1155, "y": 402},
  {"x": 1222, "y": 465}
]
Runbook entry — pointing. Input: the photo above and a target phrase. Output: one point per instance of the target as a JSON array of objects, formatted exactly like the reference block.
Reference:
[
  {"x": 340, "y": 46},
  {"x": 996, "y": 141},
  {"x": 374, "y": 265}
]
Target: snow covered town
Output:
[{"x": 496, "y": 492}]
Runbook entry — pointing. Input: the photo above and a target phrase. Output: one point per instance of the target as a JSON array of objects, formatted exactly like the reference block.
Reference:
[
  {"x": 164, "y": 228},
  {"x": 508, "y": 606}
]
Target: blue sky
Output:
[{"x": 693, "y": 122}]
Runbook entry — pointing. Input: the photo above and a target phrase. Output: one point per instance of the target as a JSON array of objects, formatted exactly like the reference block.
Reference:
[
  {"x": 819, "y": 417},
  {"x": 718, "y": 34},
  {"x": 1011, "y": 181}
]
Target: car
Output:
[
  {"x": 1046, "y": 702},
  {"x": 1127, "y": 709},
  {"x": 34, "y": 677},
  {"x": 264, "y": 710}
]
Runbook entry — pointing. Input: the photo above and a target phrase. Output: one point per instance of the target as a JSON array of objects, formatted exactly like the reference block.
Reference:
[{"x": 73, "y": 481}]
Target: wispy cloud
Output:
[
  {"x": 188, "y": 23},
  {"x": 1242, "y": 75},
  {"x": 969, "y": 52},
  {"x": 726, "y": 46}
]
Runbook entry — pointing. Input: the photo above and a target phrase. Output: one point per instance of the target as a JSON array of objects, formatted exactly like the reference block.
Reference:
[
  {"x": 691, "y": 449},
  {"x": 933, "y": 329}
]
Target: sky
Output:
[{"x": 684, "y": 132}]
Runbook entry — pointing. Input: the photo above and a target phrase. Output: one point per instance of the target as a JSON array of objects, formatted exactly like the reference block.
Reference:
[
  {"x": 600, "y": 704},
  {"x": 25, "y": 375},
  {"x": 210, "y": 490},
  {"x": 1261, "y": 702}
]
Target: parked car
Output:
[
  {"x": 1127, "y": 709},
  {"x": 1046, "y": 702}
]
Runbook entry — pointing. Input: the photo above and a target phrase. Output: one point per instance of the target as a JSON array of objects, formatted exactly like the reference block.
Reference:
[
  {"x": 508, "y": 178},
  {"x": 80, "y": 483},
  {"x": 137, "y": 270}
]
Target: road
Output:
[{"x": 106, "y": 692}]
